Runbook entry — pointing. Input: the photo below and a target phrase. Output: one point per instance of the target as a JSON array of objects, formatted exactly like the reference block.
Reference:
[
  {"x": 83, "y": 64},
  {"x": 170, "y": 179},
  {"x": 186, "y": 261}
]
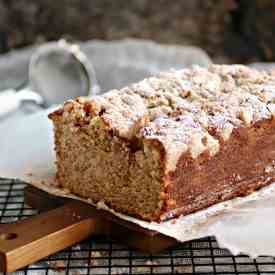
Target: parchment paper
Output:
[{"x": 243, "y": 225}]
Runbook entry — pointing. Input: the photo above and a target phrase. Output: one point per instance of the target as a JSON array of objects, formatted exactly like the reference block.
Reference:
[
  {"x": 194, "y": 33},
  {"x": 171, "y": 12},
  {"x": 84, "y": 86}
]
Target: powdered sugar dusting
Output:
[{"x": 187, "y": 106}]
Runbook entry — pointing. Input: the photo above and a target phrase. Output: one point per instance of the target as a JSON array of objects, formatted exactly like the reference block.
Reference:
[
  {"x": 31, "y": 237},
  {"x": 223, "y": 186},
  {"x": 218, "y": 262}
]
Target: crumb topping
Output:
[{"x": 189, "y": 110}]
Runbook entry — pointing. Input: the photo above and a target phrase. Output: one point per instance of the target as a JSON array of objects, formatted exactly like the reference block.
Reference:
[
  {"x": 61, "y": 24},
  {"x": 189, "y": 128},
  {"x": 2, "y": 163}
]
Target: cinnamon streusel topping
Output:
[{"x": 189, "y": 110}]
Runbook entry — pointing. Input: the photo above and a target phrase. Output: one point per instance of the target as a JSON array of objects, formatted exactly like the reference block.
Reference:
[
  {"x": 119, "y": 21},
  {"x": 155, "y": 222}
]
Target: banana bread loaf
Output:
[{"x": 170, "y": 144}]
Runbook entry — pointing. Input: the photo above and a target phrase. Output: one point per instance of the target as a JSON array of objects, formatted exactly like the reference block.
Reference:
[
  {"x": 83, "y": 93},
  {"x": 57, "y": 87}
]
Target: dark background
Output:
[{"x": 229, "y": 30}]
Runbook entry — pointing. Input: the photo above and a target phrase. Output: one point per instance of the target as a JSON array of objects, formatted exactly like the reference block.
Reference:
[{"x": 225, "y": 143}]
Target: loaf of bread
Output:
[{"x": 170, "y": 144}]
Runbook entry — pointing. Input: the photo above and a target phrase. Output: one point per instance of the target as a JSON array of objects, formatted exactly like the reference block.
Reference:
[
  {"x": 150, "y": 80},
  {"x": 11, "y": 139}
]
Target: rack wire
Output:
[{"x": 101, "y": 256}]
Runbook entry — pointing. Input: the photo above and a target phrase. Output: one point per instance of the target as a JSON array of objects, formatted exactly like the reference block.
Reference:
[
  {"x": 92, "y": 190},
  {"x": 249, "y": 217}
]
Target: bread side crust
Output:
[{"x": 245, "y": 163}]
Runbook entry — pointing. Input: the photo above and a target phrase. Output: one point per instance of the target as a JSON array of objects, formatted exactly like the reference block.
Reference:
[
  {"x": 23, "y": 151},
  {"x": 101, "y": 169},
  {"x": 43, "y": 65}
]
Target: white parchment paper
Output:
[{"x": 243, "y": 225}]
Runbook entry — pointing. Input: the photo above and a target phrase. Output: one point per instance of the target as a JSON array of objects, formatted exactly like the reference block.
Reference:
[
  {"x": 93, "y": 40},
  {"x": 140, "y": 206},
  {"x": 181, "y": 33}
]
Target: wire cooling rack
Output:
[{"x": 101, "y": 256}]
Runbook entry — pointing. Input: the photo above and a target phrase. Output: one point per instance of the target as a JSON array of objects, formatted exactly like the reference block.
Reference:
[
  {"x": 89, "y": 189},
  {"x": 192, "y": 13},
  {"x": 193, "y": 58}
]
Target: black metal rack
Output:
[{"x": 101, "y": 256}]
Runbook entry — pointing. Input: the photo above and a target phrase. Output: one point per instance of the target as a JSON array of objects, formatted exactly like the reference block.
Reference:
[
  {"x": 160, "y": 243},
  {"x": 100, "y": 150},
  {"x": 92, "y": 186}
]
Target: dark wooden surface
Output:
[{"x": 229, "y": 30}]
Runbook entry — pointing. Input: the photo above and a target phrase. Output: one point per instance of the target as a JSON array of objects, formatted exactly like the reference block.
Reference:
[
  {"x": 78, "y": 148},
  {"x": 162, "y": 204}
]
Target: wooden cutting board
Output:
[{"x": 62, "y": 223}]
